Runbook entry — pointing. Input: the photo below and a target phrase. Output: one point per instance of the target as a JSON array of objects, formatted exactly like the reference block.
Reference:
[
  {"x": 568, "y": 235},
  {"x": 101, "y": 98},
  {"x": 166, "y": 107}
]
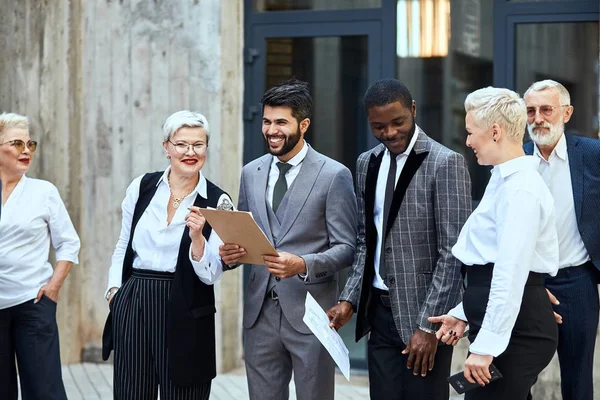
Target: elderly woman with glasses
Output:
[
  {"x": 32, "y": 216},
  {"x": 508, "y": 245},
  {"x": 160, "y": 283}
]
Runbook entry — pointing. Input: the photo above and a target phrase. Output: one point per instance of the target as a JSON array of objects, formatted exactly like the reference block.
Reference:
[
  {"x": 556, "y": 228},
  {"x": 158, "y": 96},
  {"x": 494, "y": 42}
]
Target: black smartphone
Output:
[{"x": 461, "y": 384}]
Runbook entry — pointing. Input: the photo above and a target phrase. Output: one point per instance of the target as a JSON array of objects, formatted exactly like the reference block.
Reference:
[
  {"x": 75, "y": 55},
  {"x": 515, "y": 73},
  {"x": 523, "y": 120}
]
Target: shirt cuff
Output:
[
  {"x": 207, "y": 270},
  {"x": 489, "y": 343},
  {"x": 458, "y": 312}
]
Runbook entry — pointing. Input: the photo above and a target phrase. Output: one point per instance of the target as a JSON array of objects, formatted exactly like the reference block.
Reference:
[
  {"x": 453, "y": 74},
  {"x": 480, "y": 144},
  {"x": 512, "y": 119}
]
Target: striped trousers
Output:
[{"x": 139, "y": 311}]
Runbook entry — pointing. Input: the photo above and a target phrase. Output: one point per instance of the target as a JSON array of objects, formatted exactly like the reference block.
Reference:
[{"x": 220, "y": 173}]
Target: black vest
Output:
[{"x": 191, "y": 312}]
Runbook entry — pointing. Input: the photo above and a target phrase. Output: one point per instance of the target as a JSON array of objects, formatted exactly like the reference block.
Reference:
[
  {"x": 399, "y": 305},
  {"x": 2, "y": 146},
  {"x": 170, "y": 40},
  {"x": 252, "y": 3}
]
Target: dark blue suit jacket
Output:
[{"x": 584, "y": 163}]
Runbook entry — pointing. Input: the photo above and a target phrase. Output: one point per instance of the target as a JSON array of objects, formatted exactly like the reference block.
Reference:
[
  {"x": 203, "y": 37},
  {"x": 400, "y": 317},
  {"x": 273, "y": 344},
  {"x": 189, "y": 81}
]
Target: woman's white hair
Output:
[
  {"x": 12, "y": 120},
  {"x": 184, "y": 119},
  {"x": 504, "y": 107},
  {"x": 549, "y": 84}
]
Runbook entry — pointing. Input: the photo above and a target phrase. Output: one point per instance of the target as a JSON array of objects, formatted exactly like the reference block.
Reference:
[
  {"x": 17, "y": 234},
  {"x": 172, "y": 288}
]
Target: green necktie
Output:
[{"x": 281, "y": 185}]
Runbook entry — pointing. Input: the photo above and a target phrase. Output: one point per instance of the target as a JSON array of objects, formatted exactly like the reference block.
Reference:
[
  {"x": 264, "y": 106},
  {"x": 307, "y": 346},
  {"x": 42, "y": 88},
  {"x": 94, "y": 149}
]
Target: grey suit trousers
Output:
[{"x": 273, "y": 342}]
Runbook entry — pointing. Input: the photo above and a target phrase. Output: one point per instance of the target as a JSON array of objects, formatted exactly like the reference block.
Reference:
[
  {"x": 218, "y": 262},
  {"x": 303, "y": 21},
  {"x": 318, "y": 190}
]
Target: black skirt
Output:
[{"x": 533, "y": 339}]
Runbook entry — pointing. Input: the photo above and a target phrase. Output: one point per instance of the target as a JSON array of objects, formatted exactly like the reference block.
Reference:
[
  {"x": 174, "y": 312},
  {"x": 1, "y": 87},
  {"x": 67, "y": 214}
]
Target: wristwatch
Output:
[{"x": 110, "y": 293}]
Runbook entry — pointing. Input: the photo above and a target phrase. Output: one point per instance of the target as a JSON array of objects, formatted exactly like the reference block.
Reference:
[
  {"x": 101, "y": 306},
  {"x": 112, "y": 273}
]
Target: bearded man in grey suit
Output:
[
  {"x": 305, "y": 204},
  {"x": 414, "y": 195}
]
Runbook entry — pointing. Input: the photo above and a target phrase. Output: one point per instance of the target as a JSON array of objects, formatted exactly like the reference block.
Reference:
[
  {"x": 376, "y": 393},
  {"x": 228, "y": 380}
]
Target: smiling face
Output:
[
  {"x": 12, "y": 161},
  {"x": 283, "y": 133},
  {"x": 189, "y": 163},
  {"x": 546, "y": 130},
  {"x": 393, "y": 125},
  {"x": 480, "y": 141}
]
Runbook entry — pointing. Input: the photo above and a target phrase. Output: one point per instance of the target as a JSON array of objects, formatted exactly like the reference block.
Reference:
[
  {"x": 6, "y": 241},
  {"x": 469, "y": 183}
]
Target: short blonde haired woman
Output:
[
  {"x": 507, "y": 245},
  {"x": 165, "y": 263},
  {"x": 32, "y": 216}
]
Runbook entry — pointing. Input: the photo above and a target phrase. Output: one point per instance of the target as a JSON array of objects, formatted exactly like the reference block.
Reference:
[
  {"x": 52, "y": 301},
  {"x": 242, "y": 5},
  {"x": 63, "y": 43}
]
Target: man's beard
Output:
[
  {"x": 289, "y": 142},
  {"x": 546, "y": 139}
]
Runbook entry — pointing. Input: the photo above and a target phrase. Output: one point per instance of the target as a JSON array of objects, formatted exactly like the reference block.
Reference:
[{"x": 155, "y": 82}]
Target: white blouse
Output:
[
  {"x": 156, "y": 244},
  {"x": 33, "y": 217},
  {"x": 514, "y": 228}
]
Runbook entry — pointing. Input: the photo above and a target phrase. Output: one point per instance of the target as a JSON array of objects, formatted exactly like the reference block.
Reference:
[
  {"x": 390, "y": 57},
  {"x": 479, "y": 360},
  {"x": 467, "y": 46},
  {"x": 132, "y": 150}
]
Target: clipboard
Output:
[{"x": 239, "y": 227}]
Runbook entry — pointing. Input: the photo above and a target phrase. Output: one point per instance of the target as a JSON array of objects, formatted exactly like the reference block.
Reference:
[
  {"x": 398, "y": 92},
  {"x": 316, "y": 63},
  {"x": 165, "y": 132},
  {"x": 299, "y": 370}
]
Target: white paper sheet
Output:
[{"x": 318, "y": 322}]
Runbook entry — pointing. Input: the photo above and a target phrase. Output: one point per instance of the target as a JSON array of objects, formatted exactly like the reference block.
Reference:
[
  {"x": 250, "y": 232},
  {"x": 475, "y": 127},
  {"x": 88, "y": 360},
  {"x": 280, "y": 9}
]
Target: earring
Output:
[
  {"x": 495, "y": 140},
  {"x": 169, "y": 157}
]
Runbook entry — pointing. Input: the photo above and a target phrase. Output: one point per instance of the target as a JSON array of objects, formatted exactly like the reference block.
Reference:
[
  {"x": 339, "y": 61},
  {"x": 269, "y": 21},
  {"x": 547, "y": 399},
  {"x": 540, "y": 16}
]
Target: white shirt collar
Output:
[
  {"x": 297, "y": 159},
  {"x": 199, "y": 189},
  {"x": 560, "y": 149},
  {"x": 516, "y": 164},
  {"x": 410, "y": 146}
]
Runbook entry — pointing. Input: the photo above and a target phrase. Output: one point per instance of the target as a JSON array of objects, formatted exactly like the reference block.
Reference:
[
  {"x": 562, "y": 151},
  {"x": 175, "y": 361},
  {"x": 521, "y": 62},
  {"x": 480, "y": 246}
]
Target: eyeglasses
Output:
[
  {"x": 544, "y": 110},
  {"x": 182, "y": 147},
  {"x": 20, "y": 145}
]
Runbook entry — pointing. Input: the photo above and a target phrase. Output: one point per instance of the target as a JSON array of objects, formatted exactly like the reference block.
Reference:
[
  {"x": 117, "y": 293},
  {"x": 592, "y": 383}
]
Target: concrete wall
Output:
[{"x": 97, "y": 79}]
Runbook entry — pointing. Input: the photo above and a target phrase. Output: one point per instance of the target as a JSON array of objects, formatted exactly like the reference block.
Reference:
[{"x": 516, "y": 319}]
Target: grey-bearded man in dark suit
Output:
[
  {"x": 416, "y": 194},
  {"x": 305, "y": 204}
]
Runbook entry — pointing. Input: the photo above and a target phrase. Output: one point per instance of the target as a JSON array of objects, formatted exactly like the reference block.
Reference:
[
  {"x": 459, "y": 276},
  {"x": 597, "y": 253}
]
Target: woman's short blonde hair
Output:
[
  {"x": 12, "y": 120},
  {"x": 184, "y": 119},
  {"x": 500, "y": 106}
]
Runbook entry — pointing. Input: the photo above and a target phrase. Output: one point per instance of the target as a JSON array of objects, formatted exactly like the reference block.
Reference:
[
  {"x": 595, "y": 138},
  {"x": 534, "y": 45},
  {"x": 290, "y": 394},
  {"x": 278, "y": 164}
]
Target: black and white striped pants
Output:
[{"x": 139, "y": 311}]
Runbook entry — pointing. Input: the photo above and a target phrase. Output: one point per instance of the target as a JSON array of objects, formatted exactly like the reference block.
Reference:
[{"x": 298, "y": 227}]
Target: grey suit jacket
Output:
[
  {"x": 431, "y": 203},
  {"x": 319, "y": 225}
]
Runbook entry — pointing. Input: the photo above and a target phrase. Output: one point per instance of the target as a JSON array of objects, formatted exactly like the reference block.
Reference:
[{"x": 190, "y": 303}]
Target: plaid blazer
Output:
[{"x": 431, "y": 203}]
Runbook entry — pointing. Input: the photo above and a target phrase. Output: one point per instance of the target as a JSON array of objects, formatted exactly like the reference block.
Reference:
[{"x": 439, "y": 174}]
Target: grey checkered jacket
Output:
[{"x": 423, "y": 276}]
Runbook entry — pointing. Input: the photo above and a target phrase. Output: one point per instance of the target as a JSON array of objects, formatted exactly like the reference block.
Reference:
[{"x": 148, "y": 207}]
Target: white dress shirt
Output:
[
  {"x": 156, "y": 244},
  {"x": 32, "y": 217},
  {"x": 514, "y": 228},
  {"x": 557, "y": 174},
  {"x": 380, "y": 199},
  {"x": 290, "y": 176}
]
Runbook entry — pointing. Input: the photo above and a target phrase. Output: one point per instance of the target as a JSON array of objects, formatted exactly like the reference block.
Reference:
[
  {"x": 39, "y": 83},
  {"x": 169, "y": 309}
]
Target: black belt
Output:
[
  {"x": 383, "y": 296},
  {"x": 481, "y": 275},
  {"x": 149, "y": 274}
]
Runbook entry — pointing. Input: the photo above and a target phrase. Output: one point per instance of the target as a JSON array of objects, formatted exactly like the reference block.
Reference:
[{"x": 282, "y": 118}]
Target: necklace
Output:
[{"x": 176, "y": 200}]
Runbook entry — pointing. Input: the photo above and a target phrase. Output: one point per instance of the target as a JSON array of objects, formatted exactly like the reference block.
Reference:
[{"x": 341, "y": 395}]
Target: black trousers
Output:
[
  {"x": 139, "y": 329},
  {"x": 389, "y": 378},
  {"x": 577, "y": 290},
  {"x": 29, "y": 331},
  {"x": 533, "y": 340}
]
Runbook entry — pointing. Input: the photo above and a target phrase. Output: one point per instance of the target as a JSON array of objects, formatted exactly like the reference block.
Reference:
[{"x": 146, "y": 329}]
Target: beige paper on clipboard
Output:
[{"x": 239, "y": 227}]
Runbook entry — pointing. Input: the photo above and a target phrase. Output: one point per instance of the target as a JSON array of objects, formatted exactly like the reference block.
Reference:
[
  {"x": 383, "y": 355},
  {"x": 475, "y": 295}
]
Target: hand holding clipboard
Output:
[{"x": 239, "y": 227}]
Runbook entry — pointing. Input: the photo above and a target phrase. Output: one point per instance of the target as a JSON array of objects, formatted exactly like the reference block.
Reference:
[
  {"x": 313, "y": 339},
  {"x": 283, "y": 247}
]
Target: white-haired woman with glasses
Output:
[
  {"x": 160, "y": 283},
  {"x": 32, "y": 216},
  {"x": 508, "y": 245}
]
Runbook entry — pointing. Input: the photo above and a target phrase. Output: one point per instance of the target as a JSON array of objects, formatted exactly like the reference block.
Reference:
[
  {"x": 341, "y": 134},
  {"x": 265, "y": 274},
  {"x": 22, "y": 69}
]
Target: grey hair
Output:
[
  {"x": 184, "y": 119},
  {"x": 504, "y": 107},
  {"x": 548, "y": 84},
  {"x": 12, "y": 120}
]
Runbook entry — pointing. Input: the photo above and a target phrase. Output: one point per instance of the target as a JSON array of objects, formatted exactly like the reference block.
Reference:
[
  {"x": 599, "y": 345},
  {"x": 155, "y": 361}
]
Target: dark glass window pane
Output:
[
  {"x": 444, "y": 52},
  {"x": 547, "y": 51},
  {"x": 294, "y": 5}
]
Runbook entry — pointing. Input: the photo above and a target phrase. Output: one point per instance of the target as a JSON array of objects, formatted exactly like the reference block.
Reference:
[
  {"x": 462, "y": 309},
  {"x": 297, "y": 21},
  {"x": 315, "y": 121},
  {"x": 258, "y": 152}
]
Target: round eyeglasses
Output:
[
  {"x": 544, "y": 110},
  {"x": 20, "y": 145},
  {"x": 183, "y": 147}
]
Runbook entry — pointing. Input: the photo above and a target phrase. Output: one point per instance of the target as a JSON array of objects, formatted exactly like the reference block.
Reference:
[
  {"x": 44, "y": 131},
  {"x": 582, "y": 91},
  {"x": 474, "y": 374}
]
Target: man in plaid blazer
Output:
[{"x": 418, "y": 193}]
